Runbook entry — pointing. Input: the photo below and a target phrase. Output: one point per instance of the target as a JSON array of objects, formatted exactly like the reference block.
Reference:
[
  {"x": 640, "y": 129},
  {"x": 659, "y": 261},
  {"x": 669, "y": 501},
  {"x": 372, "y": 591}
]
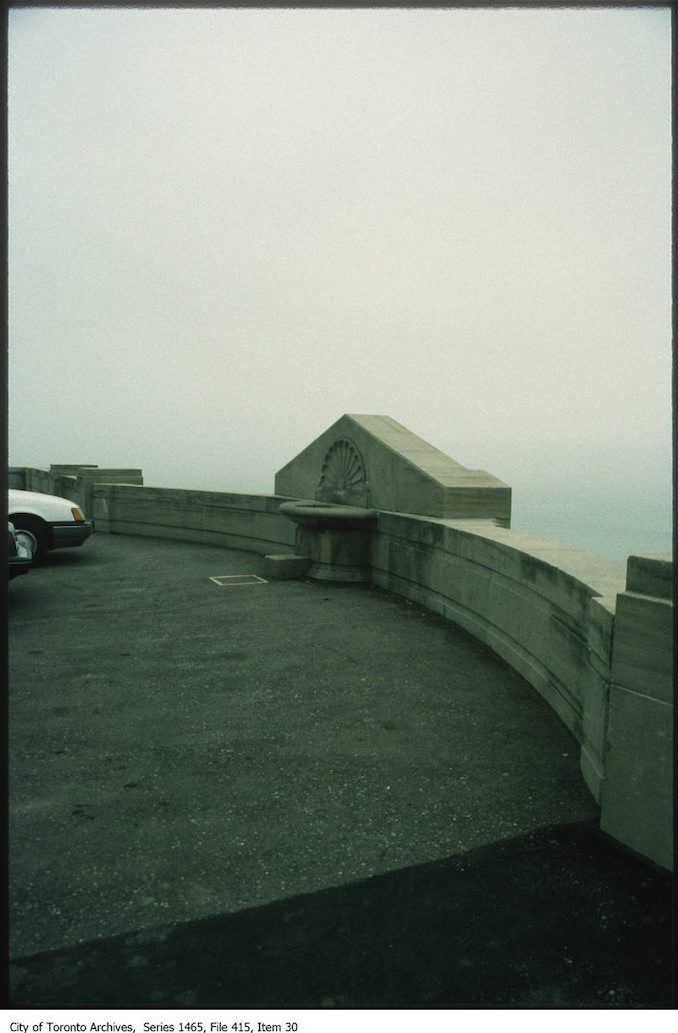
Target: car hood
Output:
[{"x": 18, "y": 497}]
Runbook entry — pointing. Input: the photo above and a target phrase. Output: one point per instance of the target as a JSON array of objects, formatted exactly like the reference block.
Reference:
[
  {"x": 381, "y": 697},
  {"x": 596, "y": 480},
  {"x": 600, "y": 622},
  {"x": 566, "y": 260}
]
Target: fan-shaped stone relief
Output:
[{"x": 343, "y": 478}]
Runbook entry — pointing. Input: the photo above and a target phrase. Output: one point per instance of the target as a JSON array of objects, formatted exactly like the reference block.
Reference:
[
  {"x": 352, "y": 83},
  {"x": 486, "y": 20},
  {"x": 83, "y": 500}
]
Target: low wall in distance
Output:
[
  {"x": 249, "y": 522},
  {"x": 595, "y": 640},
  {"x": 71, "y": 481},
  {"x": 32, "y": 478}
]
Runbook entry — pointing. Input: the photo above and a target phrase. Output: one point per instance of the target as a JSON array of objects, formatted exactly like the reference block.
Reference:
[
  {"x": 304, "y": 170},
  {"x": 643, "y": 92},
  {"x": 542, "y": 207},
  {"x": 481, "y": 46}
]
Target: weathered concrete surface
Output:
[
  {"x": 236, "y": 521},
  {"x": 75, "y": 480},
  {"x": 235, "y": 794},
  {"x": 637, "y": 796},
  {"x": 87, "y": 478},
  {"x": 399, "y": 472},
  {"x": 286, "y": 566},
  {"x": 651, "y": 575}
]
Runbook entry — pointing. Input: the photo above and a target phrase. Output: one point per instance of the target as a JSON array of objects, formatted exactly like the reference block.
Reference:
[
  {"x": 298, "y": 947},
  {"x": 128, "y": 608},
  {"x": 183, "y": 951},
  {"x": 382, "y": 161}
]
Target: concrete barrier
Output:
[
  {"x": 72, "y": 480},
  {"x": 637, "y": 796},
  {"x": 36, "y": 478},
  {"x": 249, "y": 522},
  {"x": 119, "y": 503}
]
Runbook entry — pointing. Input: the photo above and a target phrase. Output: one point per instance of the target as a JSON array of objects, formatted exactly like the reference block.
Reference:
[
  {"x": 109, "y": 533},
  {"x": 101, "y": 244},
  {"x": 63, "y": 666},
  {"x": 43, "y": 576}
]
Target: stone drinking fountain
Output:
[
  {"x": 334, "y": 529},
  {"x": 327, "y": 493}
]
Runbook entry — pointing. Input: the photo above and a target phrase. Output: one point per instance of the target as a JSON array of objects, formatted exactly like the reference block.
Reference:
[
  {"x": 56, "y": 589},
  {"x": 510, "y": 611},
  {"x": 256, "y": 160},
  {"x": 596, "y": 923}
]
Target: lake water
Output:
[{"x": 615, "y": 529}]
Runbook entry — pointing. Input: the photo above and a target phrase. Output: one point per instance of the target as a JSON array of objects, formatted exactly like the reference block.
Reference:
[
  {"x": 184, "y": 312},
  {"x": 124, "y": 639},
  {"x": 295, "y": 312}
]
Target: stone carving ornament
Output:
[{"x": 343, "y": 479}]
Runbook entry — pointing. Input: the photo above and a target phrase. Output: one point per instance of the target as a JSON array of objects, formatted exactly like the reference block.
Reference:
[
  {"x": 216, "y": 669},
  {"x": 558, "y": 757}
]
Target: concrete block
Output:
[
  {"x": 335, "y": 555},
  {"x": 109, "y": 475},
  {"x": 284, "y": 568},
  {"x": 71, "y": 468},
  {"x": 37, "y": 479},
  {"x": 636, "y": 795},
  {"x": 642, "y": 656},
  {"x": 650, "y": 575}
]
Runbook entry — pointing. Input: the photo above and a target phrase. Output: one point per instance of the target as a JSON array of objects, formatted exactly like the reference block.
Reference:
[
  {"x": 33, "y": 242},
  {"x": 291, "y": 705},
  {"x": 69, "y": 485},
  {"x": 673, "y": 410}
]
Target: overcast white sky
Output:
[{"x": 228, "y": 227}]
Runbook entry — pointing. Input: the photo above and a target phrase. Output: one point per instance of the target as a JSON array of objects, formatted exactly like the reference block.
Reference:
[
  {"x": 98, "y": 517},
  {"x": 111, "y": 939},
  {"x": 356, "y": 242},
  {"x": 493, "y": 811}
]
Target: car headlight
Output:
[{"x": 77, "y": 515}]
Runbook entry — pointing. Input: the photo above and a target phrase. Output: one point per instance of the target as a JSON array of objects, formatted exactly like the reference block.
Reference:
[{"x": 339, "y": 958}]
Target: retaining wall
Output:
[{"x": 593, "y": 639}]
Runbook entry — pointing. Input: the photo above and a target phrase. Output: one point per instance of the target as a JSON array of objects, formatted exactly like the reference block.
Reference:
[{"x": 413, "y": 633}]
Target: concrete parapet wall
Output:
[
  {"x": 637, "y": 794},
  {"x": 88, "y": 477},
  {"x": 249, "y": 522},
  {"x": 72, "y": 480},
  {"x": 38, "y": 479},
  {"x": 53, "y": 482},
  {"x": 547, "y": 610}
]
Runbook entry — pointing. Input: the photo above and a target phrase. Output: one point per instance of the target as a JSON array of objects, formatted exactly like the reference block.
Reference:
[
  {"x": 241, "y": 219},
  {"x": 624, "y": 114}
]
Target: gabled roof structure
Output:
[{"x": 374, "y": 461}]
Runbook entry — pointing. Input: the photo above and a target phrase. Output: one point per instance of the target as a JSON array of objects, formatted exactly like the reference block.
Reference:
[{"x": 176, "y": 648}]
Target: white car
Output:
[{"x": 45, "y": 522}]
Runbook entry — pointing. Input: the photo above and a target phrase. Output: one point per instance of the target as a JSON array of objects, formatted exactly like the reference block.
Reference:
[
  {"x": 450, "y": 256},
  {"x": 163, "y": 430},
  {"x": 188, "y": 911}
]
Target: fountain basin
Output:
[
  {"x": 335, "y": 538},
  {"x": 310, "y": 513}
]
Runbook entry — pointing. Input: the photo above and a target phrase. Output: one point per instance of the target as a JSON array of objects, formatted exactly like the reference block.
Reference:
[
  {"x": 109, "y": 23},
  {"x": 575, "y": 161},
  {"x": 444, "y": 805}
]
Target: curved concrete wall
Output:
[
  {"x": 545, "y": 609},
  {"x": 249, "y": 522},
  {"x": 595, "y": 644}
]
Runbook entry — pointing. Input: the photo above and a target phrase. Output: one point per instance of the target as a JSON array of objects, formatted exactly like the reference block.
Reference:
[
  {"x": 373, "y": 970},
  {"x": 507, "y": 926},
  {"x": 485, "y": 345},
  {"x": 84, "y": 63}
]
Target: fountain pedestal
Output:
[{"x": 335, "y": 538}]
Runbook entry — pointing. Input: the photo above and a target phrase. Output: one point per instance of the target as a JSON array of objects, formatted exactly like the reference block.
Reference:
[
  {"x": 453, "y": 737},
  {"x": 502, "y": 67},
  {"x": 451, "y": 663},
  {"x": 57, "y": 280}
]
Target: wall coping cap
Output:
[
  {"x": 650, "y": 575},
  {"x": 602, "y": 577}
]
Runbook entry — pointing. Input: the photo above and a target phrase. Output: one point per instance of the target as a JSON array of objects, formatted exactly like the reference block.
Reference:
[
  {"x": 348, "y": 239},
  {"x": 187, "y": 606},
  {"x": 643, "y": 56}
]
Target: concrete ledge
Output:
[
  {"x": 287, "y": 567},
  {"x": 249, "y": 522},
  {"x": 643, "y": 651},
  {"x": 650, "y": 575},
  {"x": 76, "y": 481},
  {"x": 72, "y": 469},
  {"x": 637, "y": 793}
]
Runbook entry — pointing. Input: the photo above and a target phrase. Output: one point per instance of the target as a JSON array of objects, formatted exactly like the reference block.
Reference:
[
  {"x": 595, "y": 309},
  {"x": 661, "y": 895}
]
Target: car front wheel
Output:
[{"x": 32, "y": 534}]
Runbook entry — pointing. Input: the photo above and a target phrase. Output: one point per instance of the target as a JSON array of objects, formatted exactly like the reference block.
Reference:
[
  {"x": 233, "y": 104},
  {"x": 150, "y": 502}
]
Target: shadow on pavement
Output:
[{"x": 560, "y": 917}]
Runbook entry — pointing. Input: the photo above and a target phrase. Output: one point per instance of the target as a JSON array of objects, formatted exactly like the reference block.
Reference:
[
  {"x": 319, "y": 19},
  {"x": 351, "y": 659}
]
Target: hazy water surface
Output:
[{"x": 612, "y": 530}]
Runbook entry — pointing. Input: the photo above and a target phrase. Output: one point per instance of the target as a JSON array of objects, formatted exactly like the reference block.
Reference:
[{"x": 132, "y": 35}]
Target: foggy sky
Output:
[{"x": 229, "y": 227}]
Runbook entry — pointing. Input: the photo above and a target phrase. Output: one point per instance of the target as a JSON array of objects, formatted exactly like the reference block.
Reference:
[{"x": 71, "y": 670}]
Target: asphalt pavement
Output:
[{"x": 250, "y": 792}]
